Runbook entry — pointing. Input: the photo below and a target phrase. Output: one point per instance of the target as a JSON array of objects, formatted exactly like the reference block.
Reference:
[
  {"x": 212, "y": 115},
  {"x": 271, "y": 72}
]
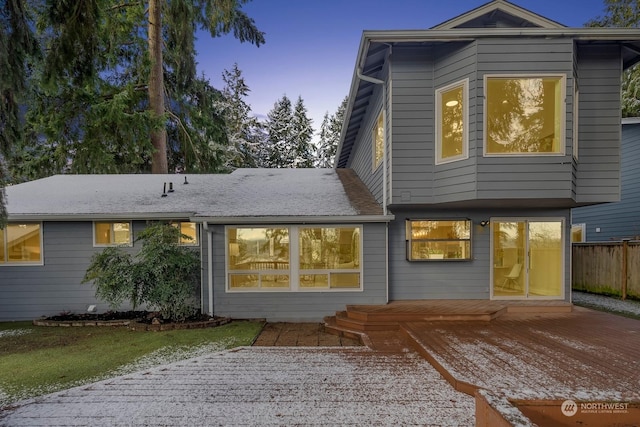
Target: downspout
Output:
[
  {"x": 209, "y": 266},
  {"x": 384, "y": 166}
]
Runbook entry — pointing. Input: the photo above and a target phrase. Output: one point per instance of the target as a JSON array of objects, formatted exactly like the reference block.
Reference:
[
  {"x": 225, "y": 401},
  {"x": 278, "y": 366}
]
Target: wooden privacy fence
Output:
[{"x": 607, "y": 268}]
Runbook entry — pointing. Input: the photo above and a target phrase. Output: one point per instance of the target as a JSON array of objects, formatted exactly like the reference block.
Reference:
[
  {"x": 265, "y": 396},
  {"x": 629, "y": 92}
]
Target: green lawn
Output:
[{"x": 35, "y": 360}]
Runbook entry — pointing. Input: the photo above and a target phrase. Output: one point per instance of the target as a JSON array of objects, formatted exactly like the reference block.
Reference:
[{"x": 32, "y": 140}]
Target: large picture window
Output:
[
  {"x": 451, "y": 122},
  {"x": 21, "y": 244},
  {"x": 294, "y": 258},
  {"x": 112, "y": 234},
  {"x": 378, "y": 141},
  {"x": 524, "y": 115},
  {"x": 258, "y": 258},
  {"x": 429, "y": 240},
  {"x": 329, "y": 257}
]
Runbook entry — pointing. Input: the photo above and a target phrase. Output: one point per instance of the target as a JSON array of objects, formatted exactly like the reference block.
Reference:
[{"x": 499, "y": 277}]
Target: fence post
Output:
[{"x": 625, "y": 249}]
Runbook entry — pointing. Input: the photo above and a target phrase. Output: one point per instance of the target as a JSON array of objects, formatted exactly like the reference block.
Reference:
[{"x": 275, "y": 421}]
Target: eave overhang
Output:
[{"x": 255, "y": 220}]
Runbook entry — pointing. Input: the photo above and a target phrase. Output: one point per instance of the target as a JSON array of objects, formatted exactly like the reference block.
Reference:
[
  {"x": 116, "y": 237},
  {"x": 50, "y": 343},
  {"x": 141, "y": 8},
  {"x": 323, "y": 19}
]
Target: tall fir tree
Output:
[
  {"x": 303, "y": 148},
  {"x": 624, "y": 13},
  {"x": 118, "y": 78},
  {"x": 242, "y": 129},
  {"x": 280, "y": 150},
  {"x": 330, "y": 136},
  {"x": 18, "y": 46}
]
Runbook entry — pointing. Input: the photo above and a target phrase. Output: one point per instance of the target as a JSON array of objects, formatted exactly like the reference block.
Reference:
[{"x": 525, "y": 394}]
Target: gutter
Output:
[
  {"x": 99, "y": 216},
  {"x": 236, "y": 220}
]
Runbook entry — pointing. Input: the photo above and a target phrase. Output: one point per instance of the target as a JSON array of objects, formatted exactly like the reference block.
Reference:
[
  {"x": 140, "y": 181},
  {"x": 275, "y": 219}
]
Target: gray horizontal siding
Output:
[
  {"x": 598, "y": 167},
  {"x": 620, "y": 219},
  {"x": 412, "y": 125},
  {"x": 526, "y": 177},
  {"x": 453, "y": 280},
  {"x": 303, "y": 306},
  {"x": 28, "y": 292}
]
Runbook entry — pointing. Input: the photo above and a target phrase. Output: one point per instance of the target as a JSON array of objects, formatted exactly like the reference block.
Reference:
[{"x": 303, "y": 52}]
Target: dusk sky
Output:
[{"x": 311, "y": 45}]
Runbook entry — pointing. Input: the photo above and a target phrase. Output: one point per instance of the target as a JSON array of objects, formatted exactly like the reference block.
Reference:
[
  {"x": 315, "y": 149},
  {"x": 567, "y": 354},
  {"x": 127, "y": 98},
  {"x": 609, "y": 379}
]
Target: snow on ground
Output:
[
  {"x": 14, "y": 332},
  {"x": 164, "y": 355},
  {"x": 607, "y": 303},
  {"x": 263, "y": 386}
]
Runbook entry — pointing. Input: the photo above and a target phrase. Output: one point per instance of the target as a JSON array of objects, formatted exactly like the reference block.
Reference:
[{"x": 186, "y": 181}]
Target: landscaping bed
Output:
[{"x": 134, "y": 320}]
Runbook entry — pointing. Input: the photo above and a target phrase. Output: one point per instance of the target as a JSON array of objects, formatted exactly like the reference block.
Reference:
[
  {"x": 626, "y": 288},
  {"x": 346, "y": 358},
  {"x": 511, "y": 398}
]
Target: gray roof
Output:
[{"x": 246, "y": 195}]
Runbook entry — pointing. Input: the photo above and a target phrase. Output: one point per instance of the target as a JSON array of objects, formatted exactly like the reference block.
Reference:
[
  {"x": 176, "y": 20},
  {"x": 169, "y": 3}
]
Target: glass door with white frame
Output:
[{"x": 527, "y": 259}]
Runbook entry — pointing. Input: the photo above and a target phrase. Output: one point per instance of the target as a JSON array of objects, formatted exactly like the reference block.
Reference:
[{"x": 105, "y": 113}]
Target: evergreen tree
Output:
[
  {"x": 303, "y": 149},
  {"x": 17, "y": 46},
  {"x": 330, "y": 136},
  {"x": 244, "y": 143},
  {"x": 118, "y": 78},
  {"x": 624, "y": 13},
  {"x": 280, "y": 149}
]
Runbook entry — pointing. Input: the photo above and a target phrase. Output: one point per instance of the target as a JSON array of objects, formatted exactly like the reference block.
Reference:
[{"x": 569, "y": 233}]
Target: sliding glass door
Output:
[{"x": 527, "y": 258}]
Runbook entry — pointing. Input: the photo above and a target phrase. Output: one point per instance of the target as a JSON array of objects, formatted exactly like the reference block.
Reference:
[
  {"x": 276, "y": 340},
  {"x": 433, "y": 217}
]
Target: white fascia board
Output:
[
  {"x": 630, "y": 120},
  {"x": 97, "y": 217},
  {"x": 346, "y": 219}
]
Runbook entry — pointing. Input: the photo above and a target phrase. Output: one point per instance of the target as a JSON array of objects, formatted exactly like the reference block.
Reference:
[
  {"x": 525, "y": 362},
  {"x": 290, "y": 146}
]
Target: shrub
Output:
[{"x": 163, "y": 275}]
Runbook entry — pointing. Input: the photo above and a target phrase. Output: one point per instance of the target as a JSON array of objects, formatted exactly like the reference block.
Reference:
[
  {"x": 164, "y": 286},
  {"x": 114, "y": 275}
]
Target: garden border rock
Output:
[{"x": 134, "y": 324}]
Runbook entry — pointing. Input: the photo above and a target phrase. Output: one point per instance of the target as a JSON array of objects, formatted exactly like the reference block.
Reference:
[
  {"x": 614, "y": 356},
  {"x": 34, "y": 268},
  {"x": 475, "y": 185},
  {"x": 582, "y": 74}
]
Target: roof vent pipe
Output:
[
  {"x": 171, "y": 187},
  {"x": 185, "y": 181},
  {"x": 164, "y": 190}
]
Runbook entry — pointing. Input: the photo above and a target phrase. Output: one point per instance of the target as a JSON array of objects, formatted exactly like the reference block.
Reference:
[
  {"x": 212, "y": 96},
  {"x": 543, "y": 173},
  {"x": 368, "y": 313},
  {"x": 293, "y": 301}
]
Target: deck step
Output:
[
  {"x": 355, "y": 315},
  {"x": 566, "y": 307},
  {"x": 343, "y": 320},
  {"x": 331, "y": 327}
]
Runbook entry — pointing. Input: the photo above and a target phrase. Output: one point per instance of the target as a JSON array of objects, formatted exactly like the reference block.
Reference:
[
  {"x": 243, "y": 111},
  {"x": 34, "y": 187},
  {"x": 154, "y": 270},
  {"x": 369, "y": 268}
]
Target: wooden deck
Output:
[
  {"x": 535, "y": 355},
  {"x": 388, "y": 316}
]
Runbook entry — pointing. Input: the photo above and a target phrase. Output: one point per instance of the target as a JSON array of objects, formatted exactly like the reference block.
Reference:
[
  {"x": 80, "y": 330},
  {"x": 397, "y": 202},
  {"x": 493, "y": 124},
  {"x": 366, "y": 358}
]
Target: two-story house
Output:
[
  {"x": 479, "y": 135},
  {"x": 464, "y": 148}
]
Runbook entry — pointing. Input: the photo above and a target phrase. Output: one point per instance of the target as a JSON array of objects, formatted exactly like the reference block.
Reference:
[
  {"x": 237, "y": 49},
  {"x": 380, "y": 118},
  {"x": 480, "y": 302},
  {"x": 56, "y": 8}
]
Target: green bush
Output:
[{"x": 163, "y": 275}]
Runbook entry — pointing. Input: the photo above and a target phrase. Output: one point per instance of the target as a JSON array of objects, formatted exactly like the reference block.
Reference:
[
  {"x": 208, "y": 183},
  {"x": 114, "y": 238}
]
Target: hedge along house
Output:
[
  {"x": 274, "y": 243},
  {"x": 463, "y": 150},
  {"x": 479, "y": 135}
]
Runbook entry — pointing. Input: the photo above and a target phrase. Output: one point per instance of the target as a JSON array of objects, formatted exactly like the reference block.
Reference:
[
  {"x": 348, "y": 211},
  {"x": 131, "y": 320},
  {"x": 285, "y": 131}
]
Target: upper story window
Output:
[
  {"x": 452, "y": 114},
  {"x": 378, "y": 141},
  {"x": 576, "y": 114},
  {"x": 112, "y": 234},
  {"x": 448, "y": 239},
  {"x": 21, "y": 244},
  {"x": 524, "y": 115},
  {"x": 189, "y": 233}
]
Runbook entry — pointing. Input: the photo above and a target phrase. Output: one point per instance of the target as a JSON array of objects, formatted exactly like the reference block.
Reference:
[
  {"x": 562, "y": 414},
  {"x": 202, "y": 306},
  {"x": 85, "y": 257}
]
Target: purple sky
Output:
[{"x": 311, "y": 45}]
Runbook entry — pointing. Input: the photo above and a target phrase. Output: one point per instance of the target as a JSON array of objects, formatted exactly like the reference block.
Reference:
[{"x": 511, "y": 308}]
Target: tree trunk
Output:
[{"x": 156, "y": 87}]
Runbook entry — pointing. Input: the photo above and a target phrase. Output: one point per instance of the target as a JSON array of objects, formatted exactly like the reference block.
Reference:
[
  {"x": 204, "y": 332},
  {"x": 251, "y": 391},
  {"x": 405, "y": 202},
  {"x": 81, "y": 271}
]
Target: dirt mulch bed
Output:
[{"x": 135, "y": 320}]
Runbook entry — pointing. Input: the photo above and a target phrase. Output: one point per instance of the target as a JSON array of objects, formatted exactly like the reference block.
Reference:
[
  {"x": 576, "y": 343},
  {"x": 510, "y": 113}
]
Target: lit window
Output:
[
  {"x": 329, "y": 257},
  {"x": 21, "y": 244},
  {"x": 524, "y": 115},
  {"x": 451, "y": 122},
  {"x": 189, "y": 233},
  {"x": 378, "y": 141},
  {"x": 112, "y": 234},
  {"x": 438, "y": 240},
  {"x": 578, "y": 233},
  {"x": 258, "y": 258}
]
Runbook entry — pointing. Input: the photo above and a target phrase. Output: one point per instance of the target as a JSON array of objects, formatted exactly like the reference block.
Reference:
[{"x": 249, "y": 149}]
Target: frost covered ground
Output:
[
  {"x": 606, "y": 303},
  {"x": 262, "y": 386}
]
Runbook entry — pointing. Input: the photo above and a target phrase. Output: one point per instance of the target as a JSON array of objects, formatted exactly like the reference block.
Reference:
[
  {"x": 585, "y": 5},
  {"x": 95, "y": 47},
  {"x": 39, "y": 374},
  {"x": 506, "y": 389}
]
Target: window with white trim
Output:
[
  {"x": 188, "y": 233},
  {"x": 294, "y": 258},
  {"x": 378, "y": 141},
  {"x": 524, "y": 115},
  {"x": 576, "y": 114},
  {"x": 21, "y": 243},
  {"x": 440, "y": 240},
  {"x": 112, "y": 233},
  {"x": 452, "y": 116}
]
